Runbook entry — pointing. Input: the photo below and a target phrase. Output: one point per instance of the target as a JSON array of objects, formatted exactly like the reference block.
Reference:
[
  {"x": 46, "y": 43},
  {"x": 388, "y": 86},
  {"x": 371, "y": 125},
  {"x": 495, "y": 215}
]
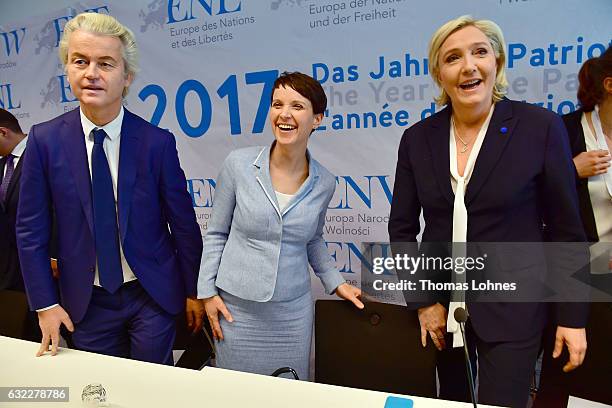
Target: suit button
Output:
[{"x": 92, "y": 269}]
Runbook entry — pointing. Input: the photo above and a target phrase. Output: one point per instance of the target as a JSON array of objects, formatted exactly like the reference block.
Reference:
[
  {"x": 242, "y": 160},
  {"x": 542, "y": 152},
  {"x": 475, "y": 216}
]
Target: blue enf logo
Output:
[
  {"x": 58, "y": 24},
  {"x": 361, "y": 192},
  {"x": 12, "y": 41},
  {"x": 49, "y": 37},
  {"x": 201, "y": 191},
  {"x": 7, "y": 100},
  {"x": 183, "y": 10},
  {"x": 57, "y": 91}
]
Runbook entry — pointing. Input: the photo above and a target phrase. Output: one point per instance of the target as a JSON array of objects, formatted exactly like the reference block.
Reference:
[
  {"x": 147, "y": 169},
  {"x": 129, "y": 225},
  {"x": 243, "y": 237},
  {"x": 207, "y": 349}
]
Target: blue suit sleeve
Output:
[
  {"x": 181, "y": 218},
  {"x": 33, "y": 228}
]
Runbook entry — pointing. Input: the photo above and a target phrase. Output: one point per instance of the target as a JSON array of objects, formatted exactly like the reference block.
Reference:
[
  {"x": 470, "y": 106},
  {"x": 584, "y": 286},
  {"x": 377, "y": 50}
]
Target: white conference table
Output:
[
  {"x": 575, "y": 402},
  {"x": 132, "y": 383}
]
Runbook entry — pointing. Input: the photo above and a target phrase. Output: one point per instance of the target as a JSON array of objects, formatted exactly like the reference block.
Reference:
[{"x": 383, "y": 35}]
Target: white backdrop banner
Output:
[{"x": 207, "y": 67}]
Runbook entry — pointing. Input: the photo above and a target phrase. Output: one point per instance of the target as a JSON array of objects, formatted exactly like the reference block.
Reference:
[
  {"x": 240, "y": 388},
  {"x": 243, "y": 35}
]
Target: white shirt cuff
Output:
[{"x": 47, "y": 308}]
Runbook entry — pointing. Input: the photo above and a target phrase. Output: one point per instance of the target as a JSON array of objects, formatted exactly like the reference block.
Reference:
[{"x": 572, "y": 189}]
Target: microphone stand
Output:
[{"x": 461, "y": 318}]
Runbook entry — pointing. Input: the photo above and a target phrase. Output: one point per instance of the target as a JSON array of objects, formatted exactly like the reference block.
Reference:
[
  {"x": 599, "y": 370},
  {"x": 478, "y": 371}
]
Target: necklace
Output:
[{"x": 463, "y": 142}]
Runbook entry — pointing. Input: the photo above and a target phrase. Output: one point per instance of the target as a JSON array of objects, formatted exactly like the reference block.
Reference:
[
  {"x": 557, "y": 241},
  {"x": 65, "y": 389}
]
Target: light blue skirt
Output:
[{"x": 266, "y": 335}]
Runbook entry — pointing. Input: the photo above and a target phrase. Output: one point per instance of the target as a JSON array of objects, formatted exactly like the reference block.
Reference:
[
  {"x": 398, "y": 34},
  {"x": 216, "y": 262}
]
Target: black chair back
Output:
[
  {"x": 13, "y": 313},
  {"x": 378, "y": 348}
]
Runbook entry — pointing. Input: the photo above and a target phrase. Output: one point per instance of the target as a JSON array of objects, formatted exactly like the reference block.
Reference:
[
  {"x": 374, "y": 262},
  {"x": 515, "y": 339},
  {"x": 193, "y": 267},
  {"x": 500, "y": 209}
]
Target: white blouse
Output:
[
  {"x": 601, "y": 199},
  {"x": 283, "y": 200},
  {"x": 460, "y": 217}
]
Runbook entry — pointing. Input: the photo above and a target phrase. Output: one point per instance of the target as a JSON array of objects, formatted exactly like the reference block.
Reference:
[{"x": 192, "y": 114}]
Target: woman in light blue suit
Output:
[{"x": 266, "y": 227}]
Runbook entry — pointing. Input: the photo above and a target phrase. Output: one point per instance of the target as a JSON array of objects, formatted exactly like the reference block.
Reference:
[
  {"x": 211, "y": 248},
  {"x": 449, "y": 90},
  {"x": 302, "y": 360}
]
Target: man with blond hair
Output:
[{"x": 128, "y": 243}]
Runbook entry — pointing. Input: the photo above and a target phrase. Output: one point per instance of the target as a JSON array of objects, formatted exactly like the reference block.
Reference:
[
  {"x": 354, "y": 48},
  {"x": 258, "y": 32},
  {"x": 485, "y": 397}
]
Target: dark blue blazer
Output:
[
  {"x": 523, "y": 179},
  {"x": 578, "y": 145},
  {"x": 159, "y": 234},
  {"x": 10, "y": 274}
]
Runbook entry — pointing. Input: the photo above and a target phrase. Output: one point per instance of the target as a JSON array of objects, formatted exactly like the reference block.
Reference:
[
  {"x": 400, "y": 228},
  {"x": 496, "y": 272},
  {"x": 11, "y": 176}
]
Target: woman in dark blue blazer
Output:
[
  {"x": 487, "y": 169},
  {"x": 590, "y": 135},
  {"x": 266, "y": 228}
]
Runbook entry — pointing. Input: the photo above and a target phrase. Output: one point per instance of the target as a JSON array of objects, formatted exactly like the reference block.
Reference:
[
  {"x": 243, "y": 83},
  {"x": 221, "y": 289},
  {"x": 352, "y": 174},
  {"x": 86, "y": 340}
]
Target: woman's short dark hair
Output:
[
  {"x": 306, "y": 86},
  {"x": 591, "y": 77}
]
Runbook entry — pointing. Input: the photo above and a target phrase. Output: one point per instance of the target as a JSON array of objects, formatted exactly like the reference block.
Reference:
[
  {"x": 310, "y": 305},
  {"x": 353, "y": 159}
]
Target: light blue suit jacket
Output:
[{"x": 252, "y": 249}]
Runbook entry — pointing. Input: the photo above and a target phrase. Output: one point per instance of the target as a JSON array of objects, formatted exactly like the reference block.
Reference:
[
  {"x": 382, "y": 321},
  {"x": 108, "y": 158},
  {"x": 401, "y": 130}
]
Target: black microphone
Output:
[{"x": 461, "y": 316}]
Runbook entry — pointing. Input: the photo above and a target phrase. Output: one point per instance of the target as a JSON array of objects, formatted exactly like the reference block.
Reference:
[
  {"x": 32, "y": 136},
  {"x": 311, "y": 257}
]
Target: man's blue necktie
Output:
[
  {"x": 6, "y": 180},
  {"x": 105, "y": 217}
]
